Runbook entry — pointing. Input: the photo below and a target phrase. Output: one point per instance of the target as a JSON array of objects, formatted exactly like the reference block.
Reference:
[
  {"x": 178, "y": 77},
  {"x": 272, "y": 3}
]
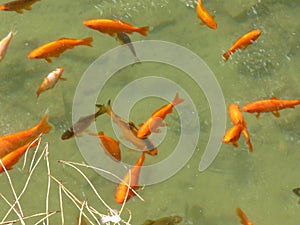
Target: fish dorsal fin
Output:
[
  {"x": 65, "y": 39},
  {"x": 273, "y": 98},
  {"x": 100, "y": 133}
]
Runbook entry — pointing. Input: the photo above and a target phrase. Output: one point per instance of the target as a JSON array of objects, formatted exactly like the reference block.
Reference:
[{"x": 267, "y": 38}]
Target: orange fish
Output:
[
  {"x": 205, "y": 16},
  {"x": 11, "y": 142},
  {"x": 4, "y": 44},
  {"x": 12, "y": 158},
  {"x": 55, "y": 48},
  {"x": 242, "y": 42},
  {"x": 236, "y": 117},
  {"x": 110, "y": 146},
  {"x": 157, "y": 117},
  {"x": 113, "y": 27},
  {"x": 233, "y": 135},
  {"x": 50, "y": 81},
  {"x": 129, "y": 131},
  {"x": 133, "y": 176},
  {"x": 272, "y": 105},
  {"x": 18, "y": 5},
  {"x": 243, "y": 217}
]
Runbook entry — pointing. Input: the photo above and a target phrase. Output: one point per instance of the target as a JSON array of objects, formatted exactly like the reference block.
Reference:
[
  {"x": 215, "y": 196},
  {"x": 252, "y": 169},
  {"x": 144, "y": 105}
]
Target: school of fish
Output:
[{"x": 14, "y": 146}]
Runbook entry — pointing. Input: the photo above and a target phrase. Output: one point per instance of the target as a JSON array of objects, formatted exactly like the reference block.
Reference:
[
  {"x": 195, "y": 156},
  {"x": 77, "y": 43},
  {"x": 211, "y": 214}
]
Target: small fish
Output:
[
  {"x": 237, "y": 117},
  {"x": 233, "y": 135},
  {"x": 125, "y": 40},
  {"x": 133, "y": 176},
  {"x": 110, "y": 146},
  {"x": 129, "y": 131},
  {"x": 56, "y": 48},
  {"x": 113, "y": 27},
  {"x": 12, "y": 158},
  {"x": 156, "y": 119},
  {"x": 11, "y": 142},
  {"x": 243, "y": 218},
  {"x": 50, "y": 81},
  {"x": 81, "y": 125},
  {"x": 170, "y": 220},
  {"x": 205, "y": 16},
  {"x": 242, "y": 42},
  {"x": 18, "y": 5},
  {"x": 272, "y": 105},
  {"x": 4, "y": 44}
]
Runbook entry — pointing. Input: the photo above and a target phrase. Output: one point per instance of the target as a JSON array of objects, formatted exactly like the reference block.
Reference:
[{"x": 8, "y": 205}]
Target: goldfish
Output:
[
  {"x": 157, "y": 117},
  {"x": 205, "y": 16},
  {"x": 4, "y": 44},
  {"x": 81, "y": 125},
  {"x": 129, "y": 131},
  {"x": 244, "y": 219},
  {"x": 110, "y": 146},
  {"x": 131, "y": 178},
  {"x": 11, "y": 142},
  {"x": 125, "y": 40},
  {"x": 50, "y": 81},
  {"x": 272, "y": 105},
  {"x": 233, "y": 135},
  {"x": 113, "y": 27},
  {"x": 18, "y": 5},
  {"x": 56, "y": 48},
  {"x": 242, "y": 42},
  {"x": 12, "y": 158},
  {"x": 170, "y": 220},
  {"x": 237, "y": 117}
]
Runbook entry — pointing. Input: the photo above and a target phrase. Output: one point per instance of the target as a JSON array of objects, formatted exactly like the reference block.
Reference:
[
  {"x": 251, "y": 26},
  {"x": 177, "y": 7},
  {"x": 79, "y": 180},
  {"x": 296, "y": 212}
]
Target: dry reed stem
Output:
[
  {"x": 26, "y": 184},
  {"x": 61, "y": 203},
  {"x": 48, "y": 214},
  {"x": 37, "y": 147},
  {"x": 17, "y": 213},
  {"x": 15, "y": 195},
  {"x": 73, "y": 198},
  {"x": 49, "y": 180}
]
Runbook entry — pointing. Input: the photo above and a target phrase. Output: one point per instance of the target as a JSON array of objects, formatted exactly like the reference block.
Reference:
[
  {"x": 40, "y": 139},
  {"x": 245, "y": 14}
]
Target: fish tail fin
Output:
[
  {"x": 242, "y": 216},
  {"x": 177, "y": 100},
  {"x": 87, "y": 41},
  {"x": 143, "y": 30},
  {"x": 44, "y": 126},
  {"x": 200, "y": 2},
  {"x": 226, "y": 55},
  {"x": 104, "y": 108}
]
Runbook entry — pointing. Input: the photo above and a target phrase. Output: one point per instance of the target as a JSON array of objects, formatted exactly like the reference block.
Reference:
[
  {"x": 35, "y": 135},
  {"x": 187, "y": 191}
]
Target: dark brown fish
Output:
[
  {"x": 18, "y": 5},
  {"x": 82, "y": 124},
  {"x": 170, "y": 220},
  {"x": 125, "y": 40}
]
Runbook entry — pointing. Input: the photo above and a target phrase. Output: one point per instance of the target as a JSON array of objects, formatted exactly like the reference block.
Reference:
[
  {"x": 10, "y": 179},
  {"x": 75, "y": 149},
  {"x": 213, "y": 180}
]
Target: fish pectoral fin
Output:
[
  {"x": 149, "y": 222},
  {"x": 157, "y": 130},
  {"x": 235, "y": 144},
  {"x": 48, "y": 60},
  {"x": 19, "y": 11},
  {"x": 257, "y": 115},
  {"x": 202, "y": 23},
  {"x": 28, "y": 7},
  {"x": 63, "y": 78},
  {"x": 276, "y": 113},
  {"x": 141, "y": 124}
]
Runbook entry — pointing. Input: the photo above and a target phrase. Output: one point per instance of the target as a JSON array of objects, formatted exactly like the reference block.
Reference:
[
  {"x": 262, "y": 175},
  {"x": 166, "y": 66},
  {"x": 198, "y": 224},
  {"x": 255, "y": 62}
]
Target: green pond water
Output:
[{"x": 260, "y": 183}]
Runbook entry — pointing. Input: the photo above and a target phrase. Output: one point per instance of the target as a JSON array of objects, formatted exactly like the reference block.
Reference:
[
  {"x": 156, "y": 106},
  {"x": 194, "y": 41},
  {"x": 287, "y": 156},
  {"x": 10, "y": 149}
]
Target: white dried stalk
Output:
[
  {"x": 61, "y": 204},
  {"x": 37, "y": 147},
  {"x": 15, "y": 195},
  {"x": 48, "y": 214},
  {"x": 28, "y": 217},
  {"x": 49, "y": 180}
]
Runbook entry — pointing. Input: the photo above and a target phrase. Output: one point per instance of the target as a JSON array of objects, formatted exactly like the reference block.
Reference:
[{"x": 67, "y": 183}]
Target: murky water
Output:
[{"x": 260, "y": 183}]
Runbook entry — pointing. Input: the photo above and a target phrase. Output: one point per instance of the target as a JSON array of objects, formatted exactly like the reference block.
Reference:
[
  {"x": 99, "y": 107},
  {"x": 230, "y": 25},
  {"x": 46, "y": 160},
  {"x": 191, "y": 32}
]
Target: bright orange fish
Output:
[
  {"x": 11, "y": 142},
  {"x": 157, "y": 118},
  {"x": 113, "y": 27},
  {"x": 133, "y": 176},
  {"x": 244, "y": 219},
  {"x": 18, "y": 5},
  {"x": 272, "y": 105},
  {"x": 56, "y": 48},
  {"x": 237, "y": 117},
  {"x": 205, "y": 16},
  {"x": 242, "y": 42},
  {"x": 110, "y": 146},
  {"x": 12, "y": 158},
  {"x": 50, "y": 81},
  {"x": 4, "y": 44},
  {"x": 233, "y": 135}
]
